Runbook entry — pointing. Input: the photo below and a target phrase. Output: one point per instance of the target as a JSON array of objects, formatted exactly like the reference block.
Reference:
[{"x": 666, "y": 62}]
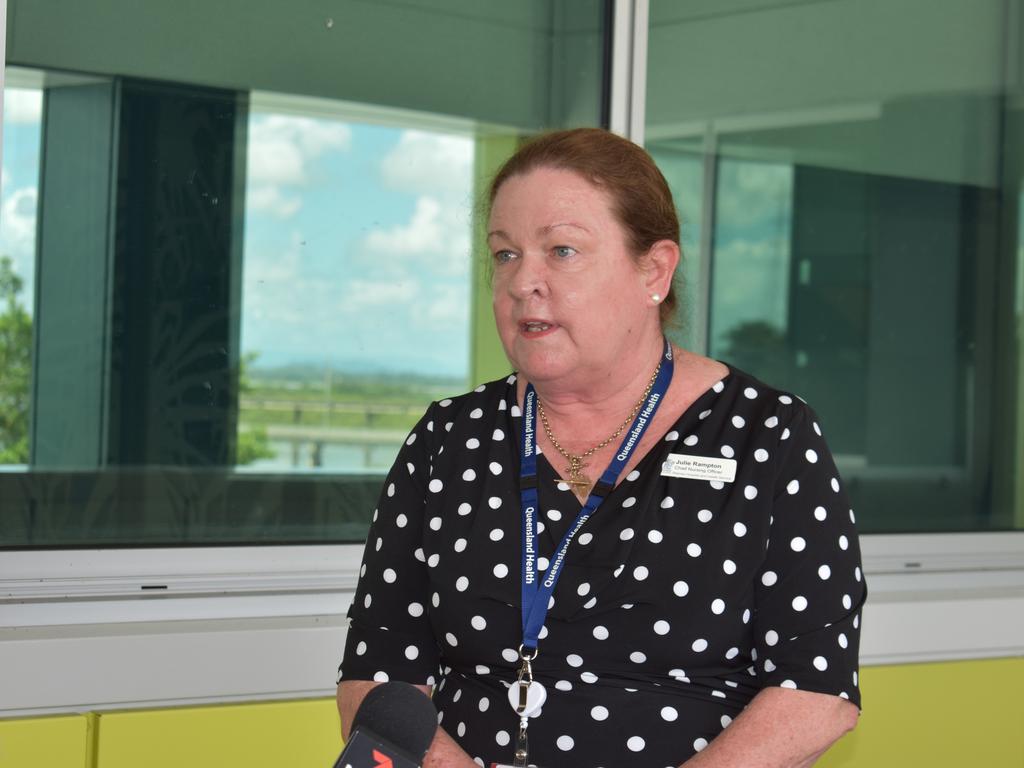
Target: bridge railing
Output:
[{"x": 294, "y": 429}]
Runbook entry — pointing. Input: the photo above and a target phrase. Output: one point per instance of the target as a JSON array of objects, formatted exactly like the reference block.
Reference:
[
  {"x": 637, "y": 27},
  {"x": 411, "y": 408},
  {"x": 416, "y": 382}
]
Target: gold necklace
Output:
[{"x": 580, "y": 483}]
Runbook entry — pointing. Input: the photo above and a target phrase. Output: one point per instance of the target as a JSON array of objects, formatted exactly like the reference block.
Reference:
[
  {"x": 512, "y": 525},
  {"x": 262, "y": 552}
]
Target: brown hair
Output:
[{"x": 641, "y": 199}]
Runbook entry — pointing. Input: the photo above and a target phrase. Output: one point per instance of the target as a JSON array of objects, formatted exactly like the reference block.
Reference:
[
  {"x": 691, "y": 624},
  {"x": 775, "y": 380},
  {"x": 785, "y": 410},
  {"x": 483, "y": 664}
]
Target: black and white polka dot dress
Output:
[{"x": 679, "y": 600}]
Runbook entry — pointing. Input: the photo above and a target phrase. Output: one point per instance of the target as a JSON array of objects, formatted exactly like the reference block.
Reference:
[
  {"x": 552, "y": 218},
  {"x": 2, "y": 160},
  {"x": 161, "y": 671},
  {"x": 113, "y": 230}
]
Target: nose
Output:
[{"x": 528, "y": 278}]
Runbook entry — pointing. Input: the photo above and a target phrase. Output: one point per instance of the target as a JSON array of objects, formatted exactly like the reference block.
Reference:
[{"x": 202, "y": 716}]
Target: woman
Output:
[{"x": 705, "y": 611}]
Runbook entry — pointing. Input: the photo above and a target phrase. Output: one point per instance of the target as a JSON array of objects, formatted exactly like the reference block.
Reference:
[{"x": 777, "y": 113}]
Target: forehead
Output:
[{"x": 546, "y": 193}]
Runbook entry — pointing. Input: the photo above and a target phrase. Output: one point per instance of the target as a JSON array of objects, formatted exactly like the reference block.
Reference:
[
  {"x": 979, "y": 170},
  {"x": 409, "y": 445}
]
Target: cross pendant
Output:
[{"x": 579, "y": 482}]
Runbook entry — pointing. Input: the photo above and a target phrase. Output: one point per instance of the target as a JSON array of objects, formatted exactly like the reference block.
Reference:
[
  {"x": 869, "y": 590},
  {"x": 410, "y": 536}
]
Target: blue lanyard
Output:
[{"x": 536, "y": 592}]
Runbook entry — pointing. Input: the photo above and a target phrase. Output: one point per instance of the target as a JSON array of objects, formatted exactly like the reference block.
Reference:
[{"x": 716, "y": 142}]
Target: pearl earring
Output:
[{"x": 656, "y": 297}]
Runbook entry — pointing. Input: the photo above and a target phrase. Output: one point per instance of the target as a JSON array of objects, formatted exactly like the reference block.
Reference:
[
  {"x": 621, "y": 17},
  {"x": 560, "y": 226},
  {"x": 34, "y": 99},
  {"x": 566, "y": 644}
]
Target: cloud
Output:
[
  {"x": 438, "y": 169},
  {"x": 769, "y": 179},
  {"x": 398, "y": 288},
  {"x": 268, "y": 266},
  {"x": 422, "y": 234},
  {"x": 437, "y": 235},
  {"x": 430, "y": 163},
  {"x": 447, "y": 308},
  {"x": 751, "y": 283},
  {"x": 368, "y": 295},
  {"x": 741, "y": 255},
  {"x": 281, "y": 146},
  {"x": 18, "y": 220},
  {"x": 267, "y": 198},
  {"x": 752, "y": 196},
  {"x": 18, "y": 237},
  {"x": 23, "y": 105},
  {"x": 281, "y": 288},
  {"x": 276, "y": 295},
  {"x": 281, "y": 151}
]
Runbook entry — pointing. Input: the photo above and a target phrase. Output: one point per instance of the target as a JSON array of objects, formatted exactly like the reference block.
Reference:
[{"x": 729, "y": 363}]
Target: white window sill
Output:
[{"x": 162, "y": 627}]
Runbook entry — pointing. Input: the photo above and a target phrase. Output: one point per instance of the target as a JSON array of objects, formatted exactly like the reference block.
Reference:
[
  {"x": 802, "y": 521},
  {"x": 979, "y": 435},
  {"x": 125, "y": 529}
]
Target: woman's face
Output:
[{"x": 569, "y": 301}]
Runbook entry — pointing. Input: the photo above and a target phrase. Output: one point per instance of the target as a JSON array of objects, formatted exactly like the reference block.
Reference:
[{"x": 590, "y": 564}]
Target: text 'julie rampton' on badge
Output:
[{"x": 699, "y": 468}]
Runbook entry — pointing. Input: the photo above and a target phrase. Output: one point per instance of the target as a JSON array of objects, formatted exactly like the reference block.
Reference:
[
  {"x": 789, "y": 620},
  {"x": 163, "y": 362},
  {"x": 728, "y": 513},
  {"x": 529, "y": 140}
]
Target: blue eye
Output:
[
  {"x": 503, "y": 256},
  {"x": 564, "y": 251}
]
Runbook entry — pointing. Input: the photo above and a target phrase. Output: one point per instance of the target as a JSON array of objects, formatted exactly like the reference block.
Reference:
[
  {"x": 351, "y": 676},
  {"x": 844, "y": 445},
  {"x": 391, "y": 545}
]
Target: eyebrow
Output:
[{"x": 545, "y": 230}]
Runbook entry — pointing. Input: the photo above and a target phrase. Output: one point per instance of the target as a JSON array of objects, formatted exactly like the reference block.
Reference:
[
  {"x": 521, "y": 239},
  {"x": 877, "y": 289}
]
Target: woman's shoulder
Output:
[
  {"x": 710, "y": 373},
  {"x": 741, "y": 380},
  {"x": 474, "y": 414},
  {"x": 711, "y": 381},
  {"x": 768, "y": 409},
  {"x": 482, "y": 403},
  {"x": 697, "y": 373},
  {"x": 490, "y": 391},
  {"x": 749, "y": 386}
]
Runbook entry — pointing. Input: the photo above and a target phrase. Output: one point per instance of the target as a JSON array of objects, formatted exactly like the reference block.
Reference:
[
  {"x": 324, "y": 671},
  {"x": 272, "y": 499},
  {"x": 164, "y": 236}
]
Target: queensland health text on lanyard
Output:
[{"x": 528, "y": 696}]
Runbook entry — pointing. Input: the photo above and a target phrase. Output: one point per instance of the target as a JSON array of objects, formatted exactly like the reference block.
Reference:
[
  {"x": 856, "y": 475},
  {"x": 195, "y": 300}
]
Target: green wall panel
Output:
[
  {"x": 62, "y": 741},
  {"x": 966, "y": 713},
  {"x": 265, "y": 735},
  {"x": 940, "y": 715}
]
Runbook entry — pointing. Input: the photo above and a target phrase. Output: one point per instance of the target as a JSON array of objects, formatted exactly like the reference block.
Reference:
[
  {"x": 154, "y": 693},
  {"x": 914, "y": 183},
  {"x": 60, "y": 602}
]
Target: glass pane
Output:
[
  {"x": 865, "y": 250},
  {"x": 347, "y": 332},
  {"x": 19, "y": 192},
  {"x": 254, "y": 265},
  {"x": 683, "y": 165}
]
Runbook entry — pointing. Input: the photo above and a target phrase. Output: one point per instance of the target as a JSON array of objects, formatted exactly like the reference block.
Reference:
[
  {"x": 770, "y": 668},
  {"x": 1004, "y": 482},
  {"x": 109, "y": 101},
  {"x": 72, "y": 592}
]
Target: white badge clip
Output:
[{"x": 527, "y": 698}]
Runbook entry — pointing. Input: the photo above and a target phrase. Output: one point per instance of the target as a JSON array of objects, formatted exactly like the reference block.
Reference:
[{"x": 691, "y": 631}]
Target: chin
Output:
[{"x": 543, "y": 366}]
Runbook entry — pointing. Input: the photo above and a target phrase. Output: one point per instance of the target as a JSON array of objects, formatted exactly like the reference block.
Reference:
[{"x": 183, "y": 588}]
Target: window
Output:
[
  {"x": 854, "y": 170},
  {"x": 254, "y": 259},
  {"x": 348, "y": 331},
  {"x": 19, "y": 192}
]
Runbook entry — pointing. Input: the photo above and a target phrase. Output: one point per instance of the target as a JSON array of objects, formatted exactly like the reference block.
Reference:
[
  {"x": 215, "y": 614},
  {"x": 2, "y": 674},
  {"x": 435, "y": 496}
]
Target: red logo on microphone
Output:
[{"x": 383, "y": 761}]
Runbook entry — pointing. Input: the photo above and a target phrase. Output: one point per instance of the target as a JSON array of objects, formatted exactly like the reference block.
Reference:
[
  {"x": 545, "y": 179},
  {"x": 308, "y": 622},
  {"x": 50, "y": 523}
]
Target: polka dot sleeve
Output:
[
  {"x": 390, "y": 636},
  {"x": 811, "y": 589}
]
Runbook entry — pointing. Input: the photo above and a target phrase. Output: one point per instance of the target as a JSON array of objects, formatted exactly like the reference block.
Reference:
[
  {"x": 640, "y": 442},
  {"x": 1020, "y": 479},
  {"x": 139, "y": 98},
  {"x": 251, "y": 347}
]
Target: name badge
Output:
[{"x": 699, "y": 468}]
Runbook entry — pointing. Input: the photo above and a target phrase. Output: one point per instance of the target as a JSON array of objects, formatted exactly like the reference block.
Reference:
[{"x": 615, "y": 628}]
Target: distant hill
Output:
[{"x": 315, "y": 375}]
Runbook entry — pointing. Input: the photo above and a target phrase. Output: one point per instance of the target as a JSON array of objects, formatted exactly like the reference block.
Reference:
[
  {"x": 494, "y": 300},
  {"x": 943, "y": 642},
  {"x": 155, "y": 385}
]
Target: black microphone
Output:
[{"x": 392, "y": 728}]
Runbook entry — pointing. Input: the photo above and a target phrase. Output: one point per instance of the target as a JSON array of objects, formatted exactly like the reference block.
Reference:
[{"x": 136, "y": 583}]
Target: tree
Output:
[
  {"x": 253, "y": 443},
  {"x": 16, "y": 372},
  {"x": 15, "y": 367}
]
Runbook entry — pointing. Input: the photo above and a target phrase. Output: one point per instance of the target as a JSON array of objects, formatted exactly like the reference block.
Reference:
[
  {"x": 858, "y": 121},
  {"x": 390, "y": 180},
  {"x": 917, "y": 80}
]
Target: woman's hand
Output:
[
  {"x": 443, "y": 753},
  {"x": 780, "y": 728}
]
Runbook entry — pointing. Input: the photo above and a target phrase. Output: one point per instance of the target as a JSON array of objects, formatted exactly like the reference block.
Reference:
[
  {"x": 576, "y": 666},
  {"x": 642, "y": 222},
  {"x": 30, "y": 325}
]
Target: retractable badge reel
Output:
[{"x": 526, "y": 696}]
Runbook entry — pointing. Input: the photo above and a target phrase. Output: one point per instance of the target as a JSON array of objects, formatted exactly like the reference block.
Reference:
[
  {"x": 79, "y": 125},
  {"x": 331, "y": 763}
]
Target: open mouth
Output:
[{"x": 535, "y": 326}]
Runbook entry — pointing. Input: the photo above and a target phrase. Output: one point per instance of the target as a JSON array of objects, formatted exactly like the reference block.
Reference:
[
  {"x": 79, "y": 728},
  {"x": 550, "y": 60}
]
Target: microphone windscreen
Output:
[{"x": 401, "y": 714}]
